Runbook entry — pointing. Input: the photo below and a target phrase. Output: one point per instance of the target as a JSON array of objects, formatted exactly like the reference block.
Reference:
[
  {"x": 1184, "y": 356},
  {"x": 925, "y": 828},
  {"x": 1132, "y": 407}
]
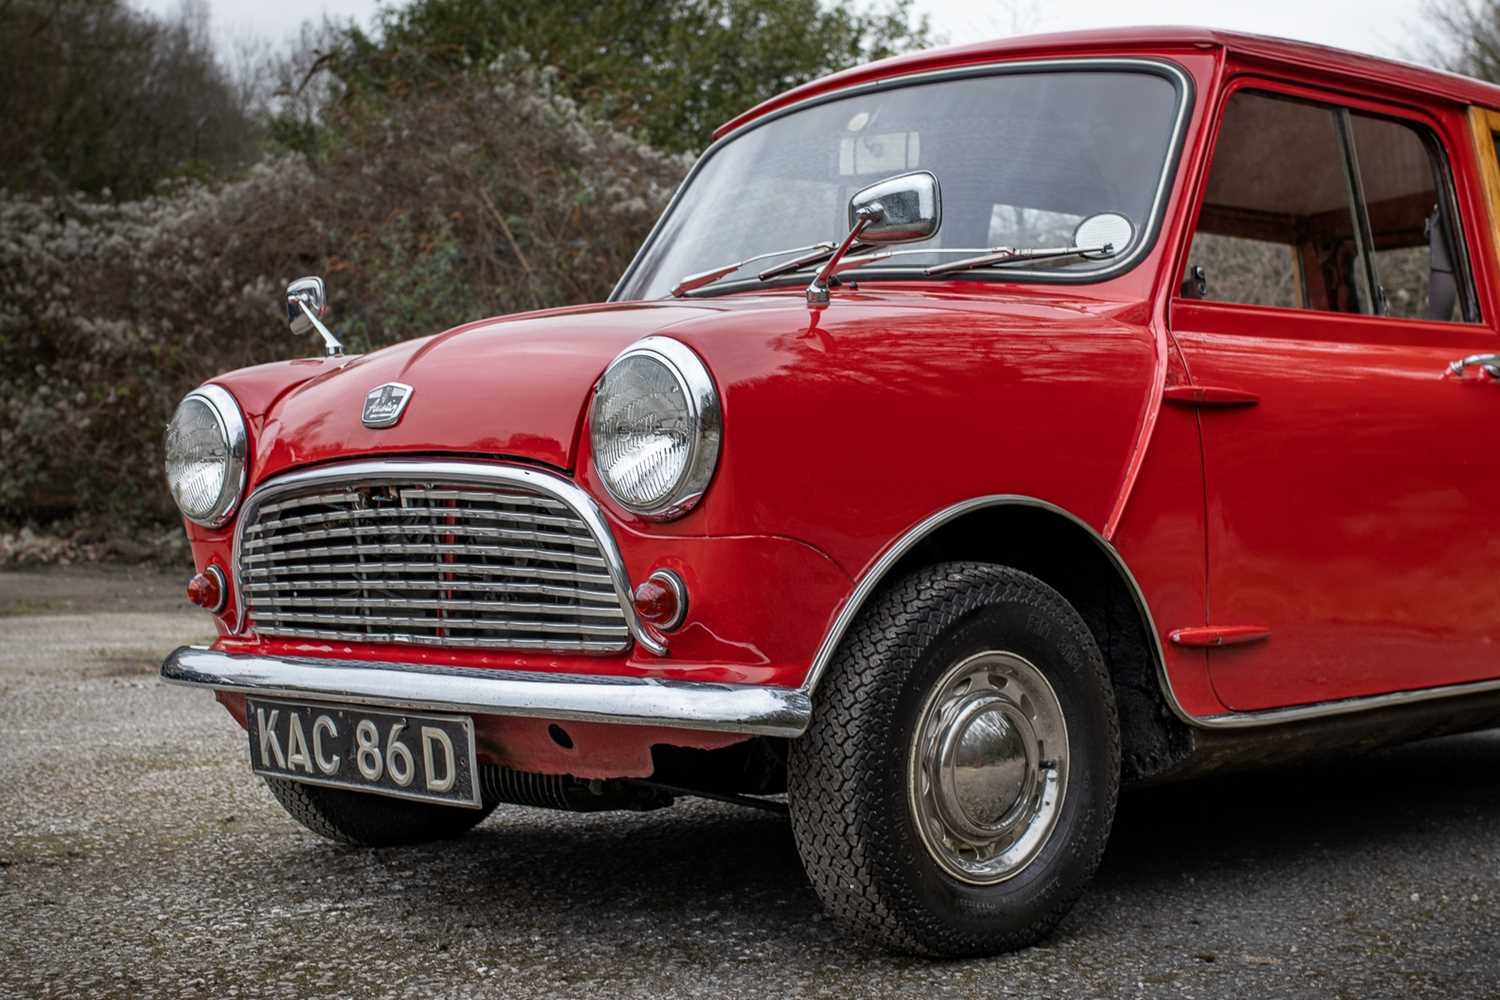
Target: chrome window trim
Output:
[
  {"x": 876, "y": 575},
  {"x": 222, "y": 404},
  {"x": 1186, "y": 96},
  {"x": 697, "y": 386},
  {"x": 754, "y": 709},
  {"x": 399, "y": 470}
]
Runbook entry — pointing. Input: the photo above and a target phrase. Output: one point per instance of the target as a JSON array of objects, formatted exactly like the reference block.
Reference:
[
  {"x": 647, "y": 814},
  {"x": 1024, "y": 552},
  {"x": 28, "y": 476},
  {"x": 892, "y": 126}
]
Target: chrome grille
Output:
[{"x": 502, "y": 567}]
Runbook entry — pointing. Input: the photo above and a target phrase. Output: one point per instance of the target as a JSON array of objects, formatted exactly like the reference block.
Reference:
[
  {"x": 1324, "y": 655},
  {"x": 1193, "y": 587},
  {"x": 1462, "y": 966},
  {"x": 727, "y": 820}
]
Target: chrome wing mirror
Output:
[
  {"x": 306, "y": 305},
  {"x": 907, "y": 208}
]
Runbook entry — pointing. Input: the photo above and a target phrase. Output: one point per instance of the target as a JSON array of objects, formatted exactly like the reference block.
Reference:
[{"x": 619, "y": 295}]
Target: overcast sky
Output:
[{"x": 1380, "y": 26}]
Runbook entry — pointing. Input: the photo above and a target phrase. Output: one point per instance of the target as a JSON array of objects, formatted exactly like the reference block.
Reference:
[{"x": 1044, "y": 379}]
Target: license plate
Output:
[{"x": 411, "y": 756}]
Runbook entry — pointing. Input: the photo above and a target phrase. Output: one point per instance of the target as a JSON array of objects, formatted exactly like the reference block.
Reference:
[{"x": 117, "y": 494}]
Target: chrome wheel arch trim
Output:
[
  {"x": 877, "y": 574},
  {"x": 476, "y": 473}
]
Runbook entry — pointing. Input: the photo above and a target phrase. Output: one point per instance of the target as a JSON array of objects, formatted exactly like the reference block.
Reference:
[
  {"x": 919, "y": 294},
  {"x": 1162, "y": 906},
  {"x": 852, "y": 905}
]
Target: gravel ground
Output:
[{"x": 138, "y": 857}]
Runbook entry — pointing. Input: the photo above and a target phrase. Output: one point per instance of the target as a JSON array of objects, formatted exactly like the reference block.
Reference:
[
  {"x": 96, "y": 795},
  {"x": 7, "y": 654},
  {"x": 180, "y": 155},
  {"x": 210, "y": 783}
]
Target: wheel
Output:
[
  {"x": 955, "y": 790},
  {"x": 366, "y": 820}
]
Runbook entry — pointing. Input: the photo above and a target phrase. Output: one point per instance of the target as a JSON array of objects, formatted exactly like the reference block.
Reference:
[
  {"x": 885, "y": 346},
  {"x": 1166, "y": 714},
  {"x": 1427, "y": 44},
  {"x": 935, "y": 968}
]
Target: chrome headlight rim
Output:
[
  {"x": 232, "y": 430},
  {"x": 704, "y": 415}
]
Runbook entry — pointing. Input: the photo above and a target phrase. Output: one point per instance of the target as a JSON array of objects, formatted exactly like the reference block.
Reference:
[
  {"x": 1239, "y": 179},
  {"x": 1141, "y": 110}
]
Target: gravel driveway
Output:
[{"x": 138, "y": 857}]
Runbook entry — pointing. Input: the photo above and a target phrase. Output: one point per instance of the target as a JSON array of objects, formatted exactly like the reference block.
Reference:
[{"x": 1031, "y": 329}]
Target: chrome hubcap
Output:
[{"x": 989, "y": 767}]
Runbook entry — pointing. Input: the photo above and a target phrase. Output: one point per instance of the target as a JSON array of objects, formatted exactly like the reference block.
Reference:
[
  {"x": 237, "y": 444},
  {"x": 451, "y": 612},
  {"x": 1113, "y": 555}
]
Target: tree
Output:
[
  {"x": 96, "y": 96},
  {"x": 1464, "y": 36},
  {"x": 668, "y": 70}
]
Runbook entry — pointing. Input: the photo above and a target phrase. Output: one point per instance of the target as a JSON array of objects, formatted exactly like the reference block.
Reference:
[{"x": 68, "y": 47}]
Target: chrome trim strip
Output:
[
  {"x": 1149, "y": 233},
  {"x": 396, "y": 470},
  {"x": 1345, "y": 706},
  {"x": 875, "y": 576},
  {"x": 730, "y": 708}
]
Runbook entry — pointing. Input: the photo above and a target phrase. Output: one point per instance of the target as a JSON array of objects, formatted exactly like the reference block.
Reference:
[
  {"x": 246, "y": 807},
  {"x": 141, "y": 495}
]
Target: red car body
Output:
[{"x": 1289, "y": 509}]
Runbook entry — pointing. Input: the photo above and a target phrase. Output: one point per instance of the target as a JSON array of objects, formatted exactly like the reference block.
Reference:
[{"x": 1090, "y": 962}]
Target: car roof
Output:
[{"x": 1144, "y": 41}]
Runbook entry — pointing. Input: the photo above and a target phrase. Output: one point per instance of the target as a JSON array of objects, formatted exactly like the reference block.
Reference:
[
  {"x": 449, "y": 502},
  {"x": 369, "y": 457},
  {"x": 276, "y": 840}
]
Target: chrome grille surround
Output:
[{"x": 431, "y": 553}]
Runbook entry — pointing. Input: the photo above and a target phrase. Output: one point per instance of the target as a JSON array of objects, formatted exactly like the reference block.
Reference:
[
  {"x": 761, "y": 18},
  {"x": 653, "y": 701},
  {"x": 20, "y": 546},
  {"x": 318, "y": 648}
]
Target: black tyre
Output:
[
  {"x": 956, "y": 788},
  {"x": 366, "y": 820}
]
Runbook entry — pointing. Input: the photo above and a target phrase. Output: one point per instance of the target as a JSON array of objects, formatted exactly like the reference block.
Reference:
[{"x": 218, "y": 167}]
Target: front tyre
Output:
[
  {"x": 366, "y": 820},
  {"x": 955, "y": 790}
]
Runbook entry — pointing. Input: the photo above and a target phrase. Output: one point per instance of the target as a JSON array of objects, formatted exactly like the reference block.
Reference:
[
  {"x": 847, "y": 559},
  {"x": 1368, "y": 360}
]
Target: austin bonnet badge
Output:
[{"x": 384, "y": 404}]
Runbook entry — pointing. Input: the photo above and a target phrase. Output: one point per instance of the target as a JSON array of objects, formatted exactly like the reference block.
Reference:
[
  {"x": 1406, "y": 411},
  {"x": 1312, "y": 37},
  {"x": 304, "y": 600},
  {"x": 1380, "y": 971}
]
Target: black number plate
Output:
[{"x": 428, "y": 757}]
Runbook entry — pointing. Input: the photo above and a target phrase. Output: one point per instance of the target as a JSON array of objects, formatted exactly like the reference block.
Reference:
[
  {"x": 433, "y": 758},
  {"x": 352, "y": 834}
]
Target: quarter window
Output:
[{"x": 1310, "y": 206}]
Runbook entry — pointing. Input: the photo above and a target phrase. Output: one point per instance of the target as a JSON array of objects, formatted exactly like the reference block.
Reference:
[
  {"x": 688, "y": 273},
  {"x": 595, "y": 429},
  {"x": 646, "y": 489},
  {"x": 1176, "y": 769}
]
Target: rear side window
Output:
[
  {"x": 1310, "y": 206},
  {"x": 1399, "y": 176}
]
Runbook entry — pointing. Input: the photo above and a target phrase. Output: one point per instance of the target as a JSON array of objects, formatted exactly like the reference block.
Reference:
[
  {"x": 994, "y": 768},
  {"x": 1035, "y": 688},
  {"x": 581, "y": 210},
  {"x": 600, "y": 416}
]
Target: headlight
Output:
[
  {"x": 655, "y": 428},
  {"x": 206, "y": 456}
]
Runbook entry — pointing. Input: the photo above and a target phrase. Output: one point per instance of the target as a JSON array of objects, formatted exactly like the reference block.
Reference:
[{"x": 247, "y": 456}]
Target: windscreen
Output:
[{"x": 1021, "y": 157}]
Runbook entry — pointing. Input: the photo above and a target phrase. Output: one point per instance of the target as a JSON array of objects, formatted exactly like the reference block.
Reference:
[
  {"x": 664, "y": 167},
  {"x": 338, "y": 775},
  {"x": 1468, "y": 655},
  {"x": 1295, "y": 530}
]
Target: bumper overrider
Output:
[{"x": 696, "y": 705}]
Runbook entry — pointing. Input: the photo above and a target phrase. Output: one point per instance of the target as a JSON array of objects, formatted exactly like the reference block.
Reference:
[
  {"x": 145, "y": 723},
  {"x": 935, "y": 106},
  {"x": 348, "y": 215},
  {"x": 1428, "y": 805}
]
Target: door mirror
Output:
[
  {"x": 907, "y": 208},
  {"x": 306, "y": 305},
  {"x": 303, "y": 297}
]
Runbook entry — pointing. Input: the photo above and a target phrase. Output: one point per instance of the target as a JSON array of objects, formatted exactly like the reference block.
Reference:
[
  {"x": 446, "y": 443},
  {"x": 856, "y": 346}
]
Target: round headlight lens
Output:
[
  {"x": 205, "y": 456},
  {"x": 655, "y": 428}
]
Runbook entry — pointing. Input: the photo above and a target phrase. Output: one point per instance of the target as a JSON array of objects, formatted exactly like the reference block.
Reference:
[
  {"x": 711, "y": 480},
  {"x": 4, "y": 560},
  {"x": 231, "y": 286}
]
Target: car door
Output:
[{"x": 1350, "y": 479}]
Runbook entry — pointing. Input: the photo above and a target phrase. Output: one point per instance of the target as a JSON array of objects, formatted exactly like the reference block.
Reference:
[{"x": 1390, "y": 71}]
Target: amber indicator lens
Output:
[
  {"x": 661, "y": 601},
  {"x": 203, "y": 590}
]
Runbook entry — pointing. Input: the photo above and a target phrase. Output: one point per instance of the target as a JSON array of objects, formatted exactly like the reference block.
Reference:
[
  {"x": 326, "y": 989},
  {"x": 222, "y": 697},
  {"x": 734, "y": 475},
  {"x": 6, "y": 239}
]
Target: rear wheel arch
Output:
[{"x": 1064, "y": 552}]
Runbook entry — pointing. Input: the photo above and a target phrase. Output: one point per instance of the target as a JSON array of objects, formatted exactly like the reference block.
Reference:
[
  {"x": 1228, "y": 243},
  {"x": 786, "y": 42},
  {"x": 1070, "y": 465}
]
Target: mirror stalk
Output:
[
  {"x": 817, "y": 292},
  {"x": 331, "y": 346}
]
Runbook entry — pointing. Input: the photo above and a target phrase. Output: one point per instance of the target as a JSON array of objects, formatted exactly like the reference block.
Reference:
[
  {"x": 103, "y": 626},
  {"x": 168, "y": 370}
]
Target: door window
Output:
[
  {"x": 1399, "y": 176},
  {"x": 1310, "y": 206}
]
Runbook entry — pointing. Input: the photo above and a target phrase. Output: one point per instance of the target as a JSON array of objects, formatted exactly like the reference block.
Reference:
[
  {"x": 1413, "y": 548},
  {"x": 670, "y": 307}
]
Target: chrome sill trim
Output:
[
  {"x": 1345, "y": 706},
  {"x": 397, "y": 470},
  {"x": 730, "y": 708}
]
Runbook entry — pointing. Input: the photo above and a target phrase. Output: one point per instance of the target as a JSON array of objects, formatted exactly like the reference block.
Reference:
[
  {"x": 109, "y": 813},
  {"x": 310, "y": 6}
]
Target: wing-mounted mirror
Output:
[
  {"x": 901, "y": 209},
  {"x": 306, "y": 305},
  {"x": 1102, "y": 236},
  {"x": 910, "y": 207}
]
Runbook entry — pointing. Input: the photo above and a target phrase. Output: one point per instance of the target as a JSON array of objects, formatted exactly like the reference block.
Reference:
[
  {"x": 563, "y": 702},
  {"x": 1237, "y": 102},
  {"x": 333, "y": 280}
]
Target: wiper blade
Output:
[
  {"x": 1017, "y": 255},
  {"x": 818, "y": 256},
  {"x": 694, "y": 281}
]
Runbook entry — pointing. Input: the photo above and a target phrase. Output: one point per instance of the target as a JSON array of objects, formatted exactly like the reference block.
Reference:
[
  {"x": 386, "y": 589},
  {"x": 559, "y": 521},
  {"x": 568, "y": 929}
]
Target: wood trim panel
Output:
[{"x": 1483, "y": 124}]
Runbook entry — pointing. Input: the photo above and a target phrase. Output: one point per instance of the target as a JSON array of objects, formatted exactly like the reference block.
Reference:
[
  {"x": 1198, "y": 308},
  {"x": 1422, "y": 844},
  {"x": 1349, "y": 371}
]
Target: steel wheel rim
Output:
[{"x": 988, "y": 768}]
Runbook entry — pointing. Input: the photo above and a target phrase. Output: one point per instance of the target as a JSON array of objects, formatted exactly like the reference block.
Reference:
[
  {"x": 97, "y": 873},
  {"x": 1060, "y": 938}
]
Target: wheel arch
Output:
[{"x": 1066, "y": 553}]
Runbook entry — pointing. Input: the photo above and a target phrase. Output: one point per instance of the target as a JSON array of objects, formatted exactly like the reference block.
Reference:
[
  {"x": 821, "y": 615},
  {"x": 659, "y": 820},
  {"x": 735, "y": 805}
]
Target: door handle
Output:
[{"x": 1487, "y": 363}]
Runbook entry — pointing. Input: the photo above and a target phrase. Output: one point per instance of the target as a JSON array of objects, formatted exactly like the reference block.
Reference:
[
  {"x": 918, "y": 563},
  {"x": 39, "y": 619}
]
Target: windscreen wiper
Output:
[
  {"x": 1016, "y": 255},
  {"x": 812, "y": 252}
]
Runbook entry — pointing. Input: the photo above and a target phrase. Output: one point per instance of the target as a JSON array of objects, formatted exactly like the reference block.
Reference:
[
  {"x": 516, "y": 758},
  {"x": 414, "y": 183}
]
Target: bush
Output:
[{"x": 490, "y": 195}]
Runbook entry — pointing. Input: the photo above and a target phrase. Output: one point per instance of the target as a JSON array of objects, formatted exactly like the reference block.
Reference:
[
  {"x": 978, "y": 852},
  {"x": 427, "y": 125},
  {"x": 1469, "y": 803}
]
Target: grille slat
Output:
[
  {"x": 468, "y": 624},
  {"x": 447, "y": 569},
  {"x": 431, "y": 564},
  {"x": 545, "y": 520},
  {"x": 276, "y": 603},
  {"x": 547, "y": 645},
  {"x": 459, "y": 586},
  {"x": 419, "y": 548},
  {"x": 457, "y": 530}
]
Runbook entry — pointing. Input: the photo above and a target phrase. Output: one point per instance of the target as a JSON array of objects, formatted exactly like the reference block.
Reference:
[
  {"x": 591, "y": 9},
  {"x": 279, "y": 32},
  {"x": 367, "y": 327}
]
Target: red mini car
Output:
[{"x": 976, "y": 431}]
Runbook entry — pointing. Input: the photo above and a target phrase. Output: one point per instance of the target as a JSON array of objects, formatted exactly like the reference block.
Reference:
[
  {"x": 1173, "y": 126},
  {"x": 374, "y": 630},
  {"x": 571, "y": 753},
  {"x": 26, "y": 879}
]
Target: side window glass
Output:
[
  {"x": 1416, "y": 257},
  {"x": 1277, "y": 227}
]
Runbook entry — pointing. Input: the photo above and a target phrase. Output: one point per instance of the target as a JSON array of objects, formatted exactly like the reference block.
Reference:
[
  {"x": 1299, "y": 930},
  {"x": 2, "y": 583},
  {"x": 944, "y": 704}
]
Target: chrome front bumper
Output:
[{"x": 730, "y": 708}]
